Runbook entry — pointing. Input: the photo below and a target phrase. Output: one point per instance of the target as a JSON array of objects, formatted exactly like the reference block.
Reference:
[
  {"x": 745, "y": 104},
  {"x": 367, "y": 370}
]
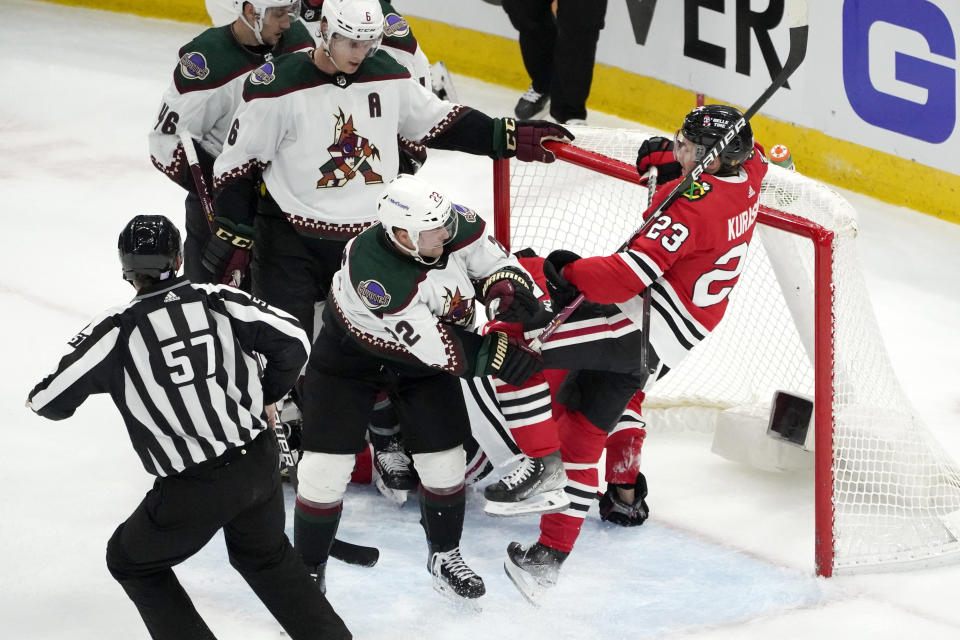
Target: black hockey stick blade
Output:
[{"x": 356, "y": 554}]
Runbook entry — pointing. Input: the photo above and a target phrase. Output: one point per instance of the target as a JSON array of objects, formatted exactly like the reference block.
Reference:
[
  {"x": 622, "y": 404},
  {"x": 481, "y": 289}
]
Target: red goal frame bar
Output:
[{"x": 822, "y": 240}]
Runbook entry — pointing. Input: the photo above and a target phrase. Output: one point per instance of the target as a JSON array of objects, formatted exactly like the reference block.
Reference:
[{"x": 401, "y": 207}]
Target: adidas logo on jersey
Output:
[
  {"x": 751, "y": 192},
  {"x": 171, "y": 297}
]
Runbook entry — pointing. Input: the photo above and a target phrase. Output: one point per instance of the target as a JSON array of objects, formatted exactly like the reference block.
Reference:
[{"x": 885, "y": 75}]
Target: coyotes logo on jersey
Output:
[
  {"x": 457, "y": 309},
  {"x": 350, "y": 154}
]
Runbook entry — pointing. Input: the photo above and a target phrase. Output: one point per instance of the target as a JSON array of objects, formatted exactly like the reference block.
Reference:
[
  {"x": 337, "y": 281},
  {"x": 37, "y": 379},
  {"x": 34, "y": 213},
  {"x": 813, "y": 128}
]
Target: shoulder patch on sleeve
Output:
[
  {"x": 395, "y": 26},
  {"x": 696, "y": 191}
]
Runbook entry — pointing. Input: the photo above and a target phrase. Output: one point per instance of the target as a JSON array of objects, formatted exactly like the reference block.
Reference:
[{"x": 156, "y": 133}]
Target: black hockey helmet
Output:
[
  {"x": 705, "y": 125},
  {"x": 149, "y": 246}
]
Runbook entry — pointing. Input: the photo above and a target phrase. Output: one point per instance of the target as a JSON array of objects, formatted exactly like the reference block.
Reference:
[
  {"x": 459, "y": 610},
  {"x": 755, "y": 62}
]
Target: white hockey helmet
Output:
[
  {"x": 260, "y": 8},
  {"x": 411, "y": 204},
  {"x": 353, "y": 19}
]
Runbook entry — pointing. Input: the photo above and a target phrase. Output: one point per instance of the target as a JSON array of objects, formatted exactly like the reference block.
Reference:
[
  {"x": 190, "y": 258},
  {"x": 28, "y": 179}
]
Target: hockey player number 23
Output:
[
  {"x": 181, "y": 363},
  {"x": 730, "y": 265},
  {"x": 672, "y": 241}
]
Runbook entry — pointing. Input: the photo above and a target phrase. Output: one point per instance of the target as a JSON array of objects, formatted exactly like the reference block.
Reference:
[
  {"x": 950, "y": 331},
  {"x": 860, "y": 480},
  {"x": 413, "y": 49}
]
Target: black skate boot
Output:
[
  {"x": 535, "y": 486},
  {"x": 393, "y": 472},
  {"x": 530, "y": 104},
  {"x": 533, "y": 569},
  {"x": 615, "y": 510},
  {"x": 452, "y": 576},
  {"x": 318, "y": 573}
]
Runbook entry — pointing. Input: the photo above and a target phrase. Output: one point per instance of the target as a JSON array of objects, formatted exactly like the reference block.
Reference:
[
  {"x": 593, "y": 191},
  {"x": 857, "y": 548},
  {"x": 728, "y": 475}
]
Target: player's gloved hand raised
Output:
[
  {"x": 509, "y": 297},
  {"x": 507, "y": 358},
  {"x": 561, "y": 292},
  {"x": 227, "y": 253},
  {"x": 658, "y": 152},
  {"x": 524, "y": 139}
]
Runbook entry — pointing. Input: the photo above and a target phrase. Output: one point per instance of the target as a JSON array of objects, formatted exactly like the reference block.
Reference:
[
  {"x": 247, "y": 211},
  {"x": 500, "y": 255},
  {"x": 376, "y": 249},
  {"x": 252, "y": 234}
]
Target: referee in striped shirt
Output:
[{"x": 179, "y": 363}]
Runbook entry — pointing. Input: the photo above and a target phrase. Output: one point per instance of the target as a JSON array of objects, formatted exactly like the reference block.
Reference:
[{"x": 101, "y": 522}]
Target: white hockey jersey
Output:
[
  {"x": 400, "y": 308},
  {"x": 206, "y": 89},
  {"x": 327, "y": 144}
]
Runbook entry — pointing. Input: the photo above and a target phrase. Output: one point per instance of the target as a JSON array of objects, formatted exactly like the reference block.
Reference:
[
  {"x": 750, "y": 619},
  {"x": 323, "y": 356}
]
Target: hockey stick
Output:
[
  {"x": 645, "y": 324},
  {"x": 796, "y": 17},
  {"x": 206, "y": 202},
  {"x": 356, "y": 554}
]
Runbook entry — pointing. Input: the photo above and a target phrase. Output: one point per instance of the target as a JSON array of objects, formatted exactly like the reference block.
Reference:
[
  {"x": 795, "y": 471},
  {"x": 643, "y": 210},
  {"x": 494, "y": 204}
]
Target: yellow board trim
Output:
[{"x": 655, "y": 103}]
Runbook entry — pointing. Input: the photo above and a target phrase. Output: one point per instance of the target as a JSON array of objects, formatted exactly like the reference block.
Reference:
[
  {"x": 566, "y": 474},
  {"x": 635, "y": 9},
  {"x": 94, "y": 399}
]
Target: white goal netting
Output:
[{"x": 895, "y": 495}]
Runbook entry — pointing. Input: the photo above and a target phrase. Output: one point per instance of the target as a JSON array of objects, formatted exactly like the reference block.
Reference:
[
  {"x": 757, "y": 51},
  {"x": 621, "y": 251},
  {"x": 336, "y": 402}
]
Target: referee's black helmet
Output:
[{"x": 149, "y": 246}]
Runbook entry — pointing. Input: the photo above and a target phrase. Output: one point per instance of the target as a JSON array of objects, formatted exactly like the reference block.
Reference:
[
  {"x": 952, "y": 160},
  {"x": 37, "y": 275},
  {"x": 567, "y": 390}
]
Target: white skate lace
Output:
[
  {"x": 454, "y": 563},
  {"x": 523, "y": 471},
  {"x": 530, "y": 95},
  {"x": 393, "y": 461}
]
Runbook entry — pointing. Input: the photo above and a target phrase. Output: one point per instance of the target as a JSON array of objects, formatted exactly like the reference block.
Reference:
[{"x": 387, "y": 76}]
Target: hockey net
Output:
[{"x": 886, "y": 494}]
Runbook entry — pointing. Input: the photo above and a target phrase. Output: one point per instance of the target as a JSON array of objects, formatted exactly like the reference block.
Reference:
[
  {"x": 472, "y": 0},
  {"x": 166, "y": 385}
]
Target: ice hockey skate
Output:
[
  {"x": 535, "y": 486},
  {"x": 452, "y": 577},
  {"x": 531, "y": 103},
  {"x": 442, "y": 83},
  {"x": 393, "y": 473},
  {"x": 533, "y": 569}
]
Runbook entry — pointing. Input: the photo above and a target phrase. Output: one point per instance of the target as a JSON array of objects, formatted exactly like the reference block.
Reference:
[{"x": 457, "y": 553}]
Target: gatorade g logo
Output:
[{"x": 899, "y": 66}]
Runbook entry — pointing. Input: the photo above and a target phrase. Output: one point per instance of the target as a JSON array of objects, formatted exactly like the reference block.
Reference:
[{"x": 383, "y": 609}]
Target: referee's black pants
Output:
[{"x": 240, "y": 492}]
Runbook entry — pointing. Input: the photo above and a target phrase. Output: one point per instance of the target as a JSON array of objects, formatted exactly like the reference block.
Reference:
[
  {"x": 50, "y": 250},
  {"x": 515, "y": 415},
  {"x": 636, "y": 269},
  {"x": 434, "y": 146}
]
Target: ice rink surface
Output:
[{"x": 727, "y": 552}]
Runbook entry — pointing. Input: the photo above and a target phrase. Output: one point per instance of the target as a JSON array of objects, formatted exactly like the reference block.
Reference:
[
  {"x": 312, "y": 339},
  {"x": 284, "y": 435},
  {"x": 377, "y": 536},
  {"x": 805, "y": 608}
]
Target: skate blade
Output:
[
  {"x": 541, "y": 504},
  {"x": 527, "y": 585},
  {"x": 396, "y": 496},
  {"x": 468, "y": 605}
]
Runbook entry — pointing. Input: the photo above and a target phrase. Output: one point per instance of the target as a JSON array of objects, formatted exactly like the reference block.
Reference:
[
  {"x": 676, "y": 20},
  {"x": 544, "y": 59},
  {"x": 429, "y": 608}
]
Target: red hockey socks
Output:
[
  {"x": 581, "y": 446},
  {"x": 625, "y": 443}
]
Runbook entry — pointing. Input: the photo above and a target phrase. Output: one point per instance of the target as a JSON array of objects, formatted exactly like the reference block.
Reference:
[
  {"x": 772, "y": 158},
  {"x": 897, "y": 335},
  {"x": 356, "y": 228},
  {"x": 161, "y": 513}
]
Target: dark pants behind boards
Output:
[
  {"x": 242, "y": 494},
  {"x": 290, "y": 271},
  {"x": 559, "y": 54}
]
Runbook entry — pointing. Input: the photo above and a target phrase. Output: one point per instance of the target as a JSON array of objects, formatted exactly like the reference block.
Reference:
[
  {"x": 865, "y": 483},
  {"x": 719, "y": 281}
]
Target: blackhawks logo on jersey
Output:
[
  {"x": 697, "y": 191},
  {"x": 350, "y": 154},
  {"x": 457, "y": 309}
]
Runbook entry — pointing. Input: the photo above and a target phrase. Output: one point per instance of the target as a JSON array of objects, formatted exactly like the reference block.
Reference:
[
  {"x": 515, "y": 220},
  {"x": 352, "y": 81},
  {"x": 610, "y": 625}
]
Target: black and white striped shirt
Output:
[{"x": 179, "y": 363}]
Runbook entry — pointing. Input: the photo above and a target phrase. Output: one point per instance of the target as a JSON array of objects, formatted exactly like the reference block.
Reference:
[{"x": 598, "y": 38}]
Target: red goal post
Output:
[{"x": 590, "y": 201}]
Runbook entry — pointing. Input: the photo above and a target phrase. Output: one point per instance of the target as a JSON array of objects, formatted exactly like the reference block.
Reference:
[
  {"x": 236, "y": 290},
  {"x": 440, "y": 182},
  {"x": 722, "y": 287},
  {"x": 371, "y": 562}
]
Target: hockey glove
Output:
[
  {"x": 658, "y": 152},
  {"x": 524, "y": 139},
  {"x": 561, "y": 292},
  {"x": 509, "y": 295},
  {"x": 615, "y": 510},
  {"x": 228, "y": 251},
  {"x": 507, "y": 358},
  {"x": 412, "y": 155}
]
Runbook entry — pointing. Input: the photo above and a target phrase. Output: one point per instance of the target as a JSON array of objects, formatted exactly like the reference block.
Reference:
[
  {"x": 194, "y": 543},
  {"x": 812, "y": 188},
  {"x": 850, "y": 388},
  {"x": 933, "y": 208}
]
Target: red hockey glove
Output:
[
  {"x": 509, "y": 295},
  {"x": 658, "y": 151},
  {"x": 507, "y": 358},
  {"x": 561, "y": 292},
  {"x": 524, "y": 139},
  {"x": 227, "y": 254}
]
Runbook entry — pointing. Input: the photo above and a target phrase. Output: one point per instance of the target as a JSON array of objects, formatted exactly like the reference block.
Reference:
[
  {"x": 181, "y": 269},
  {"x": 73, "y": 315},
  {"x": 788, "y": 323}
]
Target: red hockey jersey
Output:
[{"x": 690, "y": 258}]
